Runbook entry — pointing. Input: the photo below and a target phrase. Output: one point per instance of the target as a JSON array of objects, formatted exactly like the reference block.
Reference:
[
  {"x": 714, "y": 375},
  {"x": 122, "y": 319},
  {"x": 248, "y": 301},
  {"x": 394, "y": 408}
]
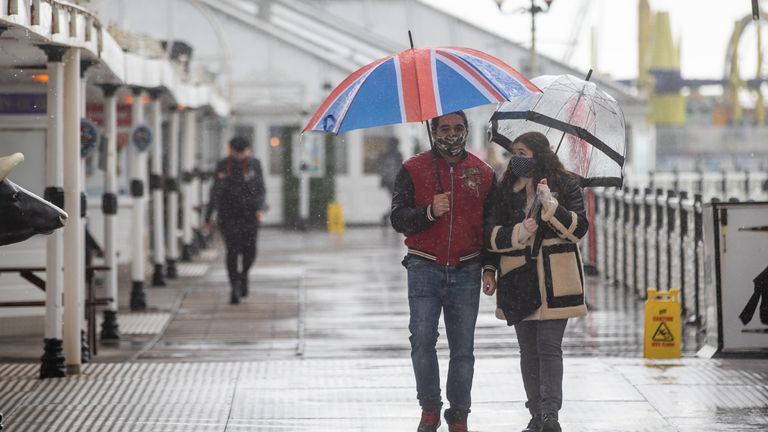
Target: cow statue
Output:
[{"x": 22, "y": 213}]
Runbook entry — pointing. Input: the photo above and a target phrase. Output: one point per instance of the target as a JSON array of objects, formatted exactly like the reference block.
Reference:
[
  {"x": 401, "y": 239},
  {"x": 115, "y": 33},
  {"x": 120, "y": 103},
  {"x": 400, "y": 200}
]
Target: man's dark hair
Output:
[
  {"x": 434, "y": 122},
  {"x": 239, "y": 143}
]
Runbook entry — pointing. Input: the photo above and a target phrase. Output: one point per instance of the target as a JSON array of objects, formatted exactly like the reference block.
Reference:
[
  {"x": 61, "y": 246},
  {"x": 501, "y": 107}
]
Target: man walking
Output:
[
  {"x": 238, "y": 194},
  {"x": 439, "y": 203}
]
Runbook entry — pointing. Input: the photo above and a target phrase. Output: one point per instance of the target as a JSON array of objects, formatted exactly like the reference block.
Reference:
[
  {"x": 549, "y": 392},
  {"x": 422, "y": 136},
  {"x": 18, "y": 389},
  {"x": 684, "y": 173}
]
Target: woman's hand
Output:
[
  {"x": 489, "y": 282},
  {"x": 530, "y": 225},
  {"x": 542, "y": 187}
]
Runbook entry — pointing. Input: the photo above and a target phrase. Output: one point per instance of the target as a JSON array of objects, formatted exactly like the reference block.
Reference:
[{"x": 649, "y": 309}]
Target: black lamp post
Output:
[{"x": 533, "y": 10}]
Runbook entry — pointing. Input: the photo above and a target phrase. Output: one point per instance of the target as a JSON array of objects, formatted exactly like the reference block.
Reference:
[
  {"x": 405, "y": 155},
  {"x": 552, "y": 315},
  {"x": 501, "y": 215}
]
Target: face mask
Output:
[
  {"x": 451, "y": 145},
  {"x": 521, "y": 166}
]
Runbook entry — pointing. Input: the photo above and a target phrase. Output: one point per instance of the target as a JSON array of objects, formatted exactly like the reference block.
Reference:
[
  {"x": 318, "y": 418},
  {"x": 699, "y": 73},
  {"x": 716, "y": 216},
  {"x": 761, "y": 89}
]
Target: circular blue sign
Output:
[
  {"x": 89, "y": 137},
  {"x": 141, "y": 137}
]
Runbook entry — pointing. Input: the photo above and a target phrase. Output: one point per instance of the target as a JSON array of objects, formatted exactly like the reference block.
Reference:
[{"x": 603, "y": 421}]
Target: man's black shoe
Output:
[{"x": 534, "y": 425}]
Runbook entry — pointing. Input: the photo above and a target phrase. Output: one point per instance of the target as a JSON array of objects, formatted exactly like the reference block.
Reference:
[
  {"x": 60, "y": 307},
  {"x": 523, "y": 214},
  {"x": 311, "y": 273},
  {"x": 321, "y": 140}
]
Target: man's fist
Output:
[{"x": 441, "y": 203}]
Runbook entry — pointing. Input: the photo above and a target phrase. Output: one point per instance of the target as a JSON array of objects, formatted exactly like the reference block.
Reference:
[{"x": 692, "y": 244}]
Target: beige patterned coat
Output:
[{"x": 560, "y": 272}]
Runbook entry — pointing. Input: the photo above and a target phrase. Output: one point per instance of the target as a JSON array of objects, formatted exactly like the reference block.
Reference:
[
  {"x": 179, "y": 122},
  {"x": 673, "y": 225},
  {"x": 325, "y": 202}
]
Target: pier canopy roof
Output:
[{"x": 26, "y": 25}]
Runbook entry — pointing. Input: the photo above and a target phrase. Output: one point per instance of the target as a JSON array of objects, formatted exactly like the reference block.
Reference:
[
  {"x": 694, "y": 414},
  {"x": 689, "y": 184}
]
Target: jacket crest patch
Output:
[{"x": 471, "y": 179}]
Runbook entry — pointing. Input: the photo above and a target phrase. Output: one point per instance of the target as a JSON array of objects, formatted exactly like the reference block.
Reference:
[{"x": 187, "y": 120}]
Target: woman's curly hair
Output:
[{"x": 547, "y": 165}]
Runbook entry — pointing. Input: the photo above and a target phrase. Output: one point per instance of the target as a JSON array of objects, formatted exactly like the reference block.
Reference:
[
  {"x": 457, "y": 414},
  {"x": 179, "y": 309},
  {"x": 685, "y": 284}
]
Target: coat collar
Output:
[{"x": 522, "y": 183}]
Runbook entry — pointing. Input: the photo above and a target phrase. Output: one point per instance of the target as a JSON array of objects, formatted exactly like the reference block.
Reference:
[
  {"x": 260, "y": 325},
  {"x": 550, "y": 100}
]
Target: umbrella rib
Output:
[
  {"x": 490, "y": 82},
  {"x": 601, "y": 181},
  {"x": 562, "y": 126},
  {"x": 575, "y": 107}
]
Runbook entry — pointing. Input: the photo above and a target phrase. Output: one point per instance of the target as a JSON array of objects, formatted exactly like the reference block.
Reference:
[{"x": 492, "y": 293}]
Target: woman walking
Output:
[{"x": 537, "y": 219}]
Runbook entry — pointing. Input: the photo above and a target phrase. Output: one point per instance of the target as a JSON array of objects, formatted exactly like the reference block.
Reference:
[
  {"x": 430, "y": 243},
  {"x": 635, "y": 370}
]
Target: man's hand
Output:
[
  {"x": 530, "y": 225},
  {"x": 260, "y": 216},
  {"x": 441, "y": 203},
  {"x": 206, "y": 228},
  {"x": 489, "y": 282}
]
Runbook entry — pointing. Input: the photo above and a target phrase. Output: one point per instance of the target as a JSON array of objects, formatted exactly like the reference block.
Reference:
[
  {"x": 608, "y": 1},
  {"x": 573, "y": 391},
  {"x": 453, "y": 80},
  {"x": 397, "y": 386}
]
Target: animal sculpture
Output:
[{"x": 22, "y": 213}]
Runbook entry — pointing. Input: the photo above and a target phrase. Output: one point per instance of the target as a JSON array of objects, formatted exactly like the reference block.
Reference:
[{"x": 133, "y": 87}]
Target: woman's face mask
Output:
[
  {"x": 451, "y": 145},
  {"x": 522, "y": 166}
]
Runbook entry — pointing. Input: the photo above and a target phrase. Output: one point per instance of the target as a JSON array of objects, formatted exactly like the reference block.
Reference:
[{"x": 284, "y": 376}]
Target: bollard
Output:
[
  {"x": 662, "y": 324},
  {"x": 335, "y": 218}
]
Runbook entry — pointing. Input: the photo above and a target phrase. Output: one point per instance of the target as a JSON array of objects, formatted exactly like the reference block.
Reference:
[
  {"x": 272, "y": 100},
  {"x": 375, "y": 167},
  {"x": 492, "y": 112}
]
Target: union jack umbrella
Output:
[{"x": 416, "y": 85}]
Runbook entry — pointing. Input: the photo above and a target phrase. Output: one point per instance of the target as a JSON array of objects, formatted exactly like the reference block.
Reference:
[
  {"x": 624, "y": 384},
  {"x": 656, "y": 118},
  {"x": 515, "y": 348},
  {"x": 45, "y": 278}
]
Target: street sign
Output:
[{"x": 141, "y": 137}]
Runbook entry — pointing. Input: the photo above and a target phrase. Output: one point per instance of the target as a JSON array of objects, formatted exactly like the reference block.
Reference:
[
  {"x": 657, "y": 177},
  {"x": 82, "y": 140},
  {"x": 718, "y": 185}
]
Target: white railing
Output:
[{"x": 652, "y": 236}]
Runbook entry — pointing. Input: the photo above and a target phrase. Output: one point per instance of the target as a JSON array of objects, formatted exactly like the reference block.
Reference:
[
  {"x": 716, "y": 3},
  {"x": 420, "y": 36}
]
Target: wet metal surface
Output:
[
  {"x": 321, "y": 344},
  {"x": 139, "y": 322},
  {"x": 601, "y": 394}
]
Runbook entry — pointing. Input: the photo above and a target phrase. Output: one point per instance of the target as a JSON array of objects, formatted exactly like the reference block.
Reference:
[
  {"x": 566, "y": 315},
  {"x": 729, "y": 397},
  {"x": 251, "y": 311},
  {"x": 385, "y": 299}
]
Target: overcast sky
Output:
[{"x": 703, "y": 27}]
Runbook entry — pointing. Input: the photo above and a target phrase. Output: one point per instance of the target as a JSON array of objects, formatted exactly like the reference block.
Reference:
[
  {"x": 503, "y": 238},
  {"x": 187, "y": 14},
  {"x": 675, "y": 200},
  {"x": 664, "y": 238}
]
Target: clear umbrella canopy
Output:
[{"x": 584, "y": 125}]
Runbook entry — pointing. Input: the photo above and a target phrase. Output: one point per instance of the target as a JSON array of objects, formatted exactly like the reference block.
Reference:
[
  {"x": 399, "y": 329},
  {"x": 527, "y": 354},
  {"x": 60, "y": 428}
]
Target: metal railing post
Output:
[
  {"x": 633, "y": 248},
  {"x": 698, "y": 257}
]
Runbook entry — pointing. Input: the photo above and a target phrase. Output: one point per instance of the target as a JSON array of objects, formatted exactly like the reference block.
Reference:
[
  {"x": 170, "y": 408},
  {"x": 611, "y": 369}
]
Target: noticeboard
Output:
[
  {"x": 736, "y": 244},
  {"x": 309, "y": 155}
]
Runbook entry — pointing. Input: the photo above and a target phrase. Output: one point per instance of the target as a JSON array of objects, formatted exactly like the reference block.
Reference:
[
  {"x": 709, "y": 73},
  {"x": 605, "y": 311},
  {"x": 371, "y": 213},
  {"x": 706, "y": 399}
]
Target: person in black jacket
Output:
[
  {"x": 388, "y": 164},
  {"x": 539, "y": 217},
  {"x": 238, "y": 193}
]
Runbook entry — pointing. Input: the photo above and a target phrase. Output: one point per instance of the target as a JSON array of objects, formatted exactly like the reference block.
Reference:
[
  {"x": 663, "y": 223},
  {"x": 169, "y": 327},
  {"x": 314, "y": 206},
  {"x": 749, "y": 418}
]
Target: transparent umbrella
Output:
[{"x": 584, "y": 125}]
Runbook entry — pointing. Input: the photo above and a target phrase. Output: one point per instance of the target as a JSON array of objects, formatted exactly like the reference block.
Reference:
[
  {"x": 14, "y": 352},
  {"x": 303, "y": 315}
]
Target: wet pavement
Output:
[{"x": 321, "y": 344}]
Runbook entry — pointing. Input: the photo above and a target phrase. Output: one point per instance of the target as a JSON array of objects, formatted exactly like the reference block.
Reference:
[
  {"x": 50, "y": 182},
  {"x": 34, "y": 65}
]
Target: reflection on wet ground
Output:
[{"x": 321, "y": 344}]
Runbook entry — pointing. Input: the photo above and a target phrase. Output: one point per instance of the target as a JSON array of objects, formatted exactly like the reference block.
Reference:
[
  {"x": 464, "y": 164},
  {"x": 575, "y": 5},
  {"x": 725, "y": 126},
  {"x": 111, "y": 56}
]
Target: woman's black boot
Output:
[{"x": 534, "y": 425}]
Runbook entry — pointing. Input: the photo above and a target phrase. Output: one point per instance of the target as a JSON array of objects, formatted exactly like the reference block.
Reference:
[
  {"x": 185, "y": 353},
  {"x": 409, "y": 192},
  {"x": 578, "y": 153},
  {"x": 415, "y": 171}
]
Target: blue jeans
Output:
[
  {"x": 433, "y": 288},
  {"x": 541, "y": 364}
]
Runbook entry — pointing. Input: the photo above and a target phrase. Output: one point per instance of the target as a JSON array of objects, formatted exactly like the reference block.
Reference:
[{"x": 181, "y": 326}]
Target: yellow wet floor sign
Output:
[{"x": 662, "y": 324}]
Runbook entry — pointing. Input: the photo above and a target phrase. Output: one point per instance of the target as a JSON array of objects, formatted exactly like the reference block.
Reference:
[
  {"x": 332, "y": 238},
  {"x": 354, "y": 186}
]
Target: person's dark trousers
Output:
[
  {"x": 541, "y": 364},
  {"x": 240, "y": 244},
  {"x": 433, "y": 288}
]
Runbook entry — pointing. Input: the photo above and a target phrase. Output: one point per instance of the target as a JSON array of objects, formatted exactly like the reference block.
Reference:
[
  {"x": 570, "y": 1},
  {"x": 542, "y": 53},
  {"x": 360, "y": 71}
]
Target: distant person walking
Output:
[
  {"x": 439, "y": 204},
  {"x": 537, "y": 220},
  {"x": 238, "y": 194},
  {"x": 389, "y": 163}
]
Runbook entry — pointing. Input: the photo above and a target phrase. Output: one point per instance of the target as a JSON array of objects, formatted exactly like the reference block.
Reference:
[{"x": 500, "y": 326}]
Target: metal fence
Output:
[{"x": 653, "y": 237}]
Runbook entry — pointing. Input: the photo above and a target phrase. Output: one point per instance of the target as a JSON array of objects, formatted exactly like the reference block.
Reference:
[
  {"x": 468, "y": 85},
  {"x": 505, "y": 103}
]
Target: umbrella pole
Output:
[
  {"x": 426, "y": 124},
  {"x": 589, "y": 75}
]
